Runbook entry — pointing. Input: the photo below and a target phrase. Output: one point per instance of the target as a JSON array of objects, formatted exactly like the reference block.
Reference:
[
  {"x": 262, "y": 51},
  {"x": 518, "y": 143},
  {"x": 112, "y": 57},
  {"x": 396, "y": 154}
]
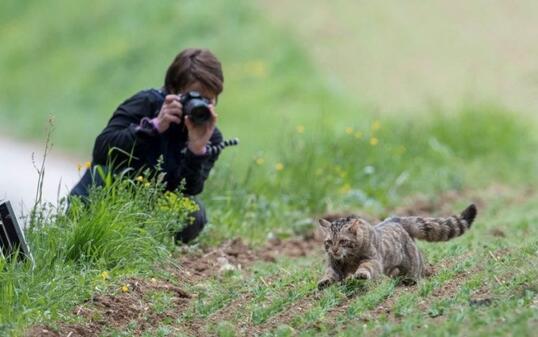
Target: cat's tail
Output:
[{"x": 439, "y": 229}]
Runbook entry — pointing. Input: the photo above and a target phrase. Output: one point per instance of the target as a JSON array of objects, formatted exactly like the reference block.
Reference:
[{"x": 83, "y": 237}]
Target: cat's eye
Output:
[
  {"x": 345, "y": 243},
  {"x": 328, "y": 242}
]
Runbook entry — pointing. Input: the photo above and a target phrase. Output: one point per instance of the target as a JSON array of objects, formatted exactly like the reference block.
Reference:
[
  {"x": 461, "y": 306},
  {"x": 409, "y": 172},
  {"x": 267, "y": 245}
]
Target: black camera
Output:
[{"x": 196, "y": 107}]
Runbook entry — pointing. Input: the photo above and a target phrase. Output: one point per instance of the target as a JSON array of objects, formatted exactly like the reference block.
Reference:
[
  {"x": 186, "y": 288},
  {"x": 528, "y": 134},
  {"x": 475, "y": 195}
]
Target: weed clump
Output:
[{"x": 124, "y": 227}]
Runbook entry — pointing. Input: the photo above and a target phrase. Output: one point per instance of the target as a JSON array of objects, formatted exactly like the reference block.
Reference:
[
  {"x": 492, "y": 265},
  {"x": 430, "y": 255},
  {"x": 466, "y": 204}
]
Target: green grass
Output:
[
  {"x": 313, "y": 153},
  {"x": 425, "y": 310},
  {"x": 325, "y": 170},
  {"x": 126, "y": 229}
]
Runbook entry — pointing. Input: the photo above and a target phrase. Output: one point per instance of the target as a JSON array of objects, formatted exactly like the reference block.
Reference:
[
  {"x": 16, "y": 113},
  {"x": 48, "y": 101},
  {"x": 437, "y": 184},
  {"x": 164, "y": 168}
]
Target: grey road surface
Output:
[{"x": 19, "y": 178}]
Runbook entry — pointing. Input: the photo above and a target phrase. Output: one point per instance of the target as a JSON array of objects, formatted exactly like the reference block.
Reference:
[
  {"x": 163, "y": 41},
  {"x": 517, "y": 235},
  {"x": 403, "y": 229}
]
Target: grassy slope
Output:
[
  {"x": 484, "y": 285},
  {"x": 281, "y": 300},
  {"x": 322, "y": 170}
]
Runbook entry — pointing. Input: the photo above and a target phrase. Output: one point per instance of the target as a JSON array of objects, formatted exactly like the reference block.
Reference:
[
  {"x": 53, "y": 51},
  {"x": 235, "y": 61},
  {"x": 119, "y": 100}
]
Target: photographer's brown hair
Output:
[{"x": 194, "y": 65}]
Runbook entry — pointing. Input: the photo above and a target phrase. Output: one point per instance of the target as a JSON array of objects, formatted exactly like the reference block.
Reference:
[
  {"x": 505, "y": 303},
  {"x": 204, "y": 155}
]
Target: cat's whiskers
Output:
[{"x": 338, "y": 254}]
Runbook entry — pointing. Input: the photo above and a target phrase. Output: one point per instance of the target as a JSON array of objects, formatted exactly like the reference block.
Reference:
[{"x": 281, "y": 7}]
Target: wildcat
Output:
[{"x": 356, "y": 247}]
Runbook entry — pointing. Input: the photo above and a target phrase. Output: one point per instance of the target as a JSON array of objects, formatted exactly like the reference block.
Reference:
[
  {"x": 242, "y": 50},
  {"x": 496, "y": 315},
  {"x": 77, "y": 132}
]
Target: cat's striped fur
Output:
[{"x": 355, "y": 247}]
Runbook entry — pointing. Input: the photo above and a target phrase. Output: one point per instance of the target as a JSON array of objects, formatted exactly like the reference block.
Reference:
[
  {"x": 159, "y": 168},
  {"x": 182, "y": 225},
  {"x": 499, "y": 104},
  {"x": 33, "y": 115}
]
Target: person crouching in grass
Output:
[{"x": 151, "y": 125}]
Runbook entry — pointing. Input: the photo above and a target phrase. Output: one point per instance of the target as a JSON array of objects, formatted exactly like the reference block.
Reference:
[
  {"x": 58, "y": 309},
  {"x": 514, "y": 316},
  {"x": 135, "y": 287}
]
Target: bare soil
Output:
[{"x": 118, "y": 309}]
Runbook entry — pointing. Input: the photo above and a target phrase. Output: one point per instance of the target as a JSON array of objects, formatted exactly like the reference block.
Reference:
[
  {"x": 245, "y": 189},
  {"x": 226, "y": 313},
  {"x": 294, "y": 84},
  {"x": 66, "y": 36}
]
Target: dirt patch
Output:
[
  {"x": 237, "y": 255},
  {"x": 296, "y": 247},
  {"x": 41, "y": 331},
  {"x": 197, "y": 265},
  {"x": 117, "y": 310}
]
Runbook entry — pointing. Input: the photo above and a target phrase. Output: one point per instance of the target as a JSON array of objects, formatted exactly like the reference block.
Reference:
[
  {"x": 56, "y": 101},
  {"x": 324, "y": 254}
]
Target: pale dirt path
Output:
[{"x": 18, "y": 177}]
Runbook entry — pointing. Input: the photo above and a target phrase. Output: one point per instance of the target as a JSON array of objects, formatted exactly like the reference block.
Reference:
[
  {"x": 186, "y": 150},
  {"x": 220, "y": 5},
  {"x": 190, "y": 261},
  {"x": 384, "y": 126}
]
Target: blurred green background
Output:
[
  {"x": 287, "y": 65},
  {"x": 81, "y": 62}
]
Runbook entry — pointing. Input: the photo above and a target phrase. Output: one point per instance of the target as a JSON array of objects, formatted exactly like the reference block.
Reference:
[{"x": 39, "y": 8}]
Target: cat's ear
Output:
[
  {"x": 351, "y": 226},
  {"x": 324, "y": 225}
]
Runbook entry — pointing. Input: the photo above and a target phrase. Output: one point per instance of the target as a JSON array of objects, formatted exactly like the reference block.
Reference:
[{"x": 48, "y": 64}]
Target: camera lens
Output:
[{"x": 198, "y": 111}]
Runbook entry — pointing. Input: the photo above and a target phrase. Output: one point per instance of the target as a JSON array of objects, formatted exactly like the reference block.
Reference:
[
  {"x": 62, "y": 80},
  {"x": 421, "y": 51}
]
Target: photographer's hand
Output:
[
  {"x": 199, "y": 135},
  {"x": 171, "y": 112}
]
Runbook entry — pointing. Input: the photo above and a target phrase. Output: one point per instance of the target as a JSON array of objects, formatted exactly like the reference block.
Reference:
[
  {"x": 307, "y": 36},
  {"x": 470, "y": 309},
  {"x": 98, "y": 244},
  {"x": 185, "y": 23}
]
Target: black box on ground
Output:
[{"x": 11, "y": 235}]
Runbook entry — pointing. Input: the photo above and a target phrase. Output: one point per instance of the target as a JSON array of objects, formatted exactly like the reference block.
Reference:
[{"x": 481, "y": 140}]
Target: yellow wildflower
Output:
[
  {"x": 349, "y": 130},
  {"x": 86, "y": 165},
  {"x": 358, "y": 135},
  {"x": 260, "y": 161},
  {"x": 147, "y": 184},
  {"x": 256, "y": 68},
  {"x": 374, "y": 141},
  {"x": 189, "y": 205},
  {"x": 125, "y": 288},
  {"x": 139, "y": 179},
  {"x": 171, "y": 202},
  {"x": 376, "y": 125},
  {"x": 345, "y": 188},
  {"x": 279, "y": 166},
  {"x": 300, "y": 128},
  {"x": 105, "y": 275}
]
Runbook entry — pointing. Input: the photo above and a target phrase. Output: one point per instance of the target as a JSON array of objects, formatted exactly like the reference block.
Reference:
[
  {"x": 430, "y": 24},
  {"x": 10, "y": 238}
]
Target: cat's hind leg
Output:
[
  {"x": 394, "y": 272},
  {"x": 414, "y": 266}
]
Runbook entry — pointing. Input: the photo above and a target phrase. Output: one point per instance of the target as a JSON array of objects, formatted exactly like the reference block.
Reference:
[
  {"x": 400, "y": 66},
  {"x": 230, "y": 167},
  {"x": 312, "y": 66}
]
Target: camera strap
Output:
[
  {"x": 216, "y": 149},
  {"x": 213, "y": 150}
]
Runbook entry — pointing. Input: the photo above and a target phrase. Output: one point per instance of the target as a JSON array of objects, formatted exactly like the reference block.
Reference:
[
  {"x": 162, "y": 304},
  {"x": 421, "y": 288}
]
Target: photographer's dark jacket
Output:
[{"x": 129, "y": 141}]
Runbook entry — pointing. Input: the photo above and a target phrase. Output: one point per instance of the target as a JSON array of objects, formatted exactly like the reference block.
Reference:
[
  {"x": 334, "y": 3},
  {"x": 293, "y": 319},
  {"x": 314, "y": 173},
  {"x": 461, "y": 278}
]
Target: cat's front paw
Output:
[
  {"x": 362, "y": 274},
  {"x": 324, "y": 283}
]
